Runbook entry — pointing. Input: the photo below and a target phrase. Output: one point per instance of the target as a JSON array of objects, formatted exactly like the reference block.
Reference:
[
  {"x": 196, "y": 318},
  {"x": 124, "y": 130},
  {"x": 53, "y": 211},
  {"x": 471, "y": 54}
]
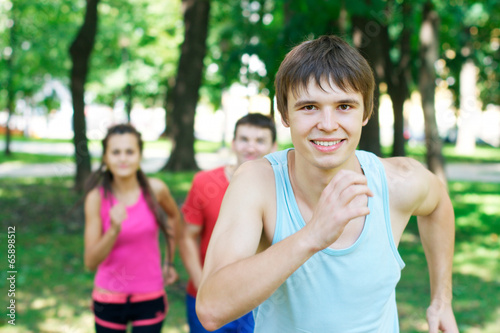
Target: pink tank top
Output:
[{"x": 134, "y": 263}]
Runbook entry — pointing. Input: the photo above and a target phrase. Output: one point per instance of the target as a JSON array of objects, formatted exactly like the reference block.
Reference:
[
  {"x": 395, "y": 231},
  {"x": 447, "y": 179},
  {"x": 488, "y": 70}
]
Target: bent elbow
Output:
[
  {"x": 207, "y": 317},
  {"x": 89, "y": 264}
]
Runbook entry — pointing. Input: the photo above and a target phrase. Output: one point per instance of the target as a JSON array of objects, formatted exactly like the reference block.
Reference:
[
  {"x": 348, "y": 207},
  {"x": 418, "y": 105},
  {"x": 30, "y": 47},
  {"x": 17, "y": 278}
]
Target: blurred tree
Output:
[
  {"x": 367, "y": 38},
  {"x": 135, "y": 52},
  {"x": 397, "y": 63},
  {"x": 429, "y": 53},
  {"x": 187, "y": 84},
  {"x": 80, "y": 51},
  {"x": 32, "y": 45},
  {"x": 10, "y": 74}
]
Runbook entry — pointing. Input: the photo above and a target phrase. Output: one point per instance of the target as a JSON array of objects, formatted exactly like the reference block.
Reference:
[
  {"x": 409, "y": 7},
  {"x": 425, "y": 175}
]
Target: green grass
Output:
[
  {"x": 476, "y": 278},
  {"x": 53, "y": 289},
  {"x": 26, "y": 139},
  {"x": 482, "y": 154},
  {"x": 25, "y": 158}
]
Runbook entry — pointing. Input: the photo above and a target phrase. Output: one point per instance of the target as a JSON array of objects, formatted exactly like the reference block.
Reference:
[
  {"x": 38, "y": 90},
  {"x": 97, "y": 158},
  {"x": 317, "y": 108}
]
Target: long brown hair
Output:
[{"x": 103, "y": 177}]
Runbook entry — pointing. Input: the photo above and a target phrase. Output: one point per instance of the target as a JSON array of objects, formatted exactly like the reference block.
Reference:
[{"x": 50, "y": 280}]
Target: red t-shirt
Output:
[{"x": 202, "y": 207}]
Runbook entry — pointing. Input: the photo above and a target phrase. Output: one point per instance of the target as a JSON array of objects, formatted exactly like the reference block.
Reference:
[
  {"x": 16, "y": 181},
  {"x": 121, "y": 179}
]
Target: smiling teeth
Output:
[{"x": 327, "y": 143}]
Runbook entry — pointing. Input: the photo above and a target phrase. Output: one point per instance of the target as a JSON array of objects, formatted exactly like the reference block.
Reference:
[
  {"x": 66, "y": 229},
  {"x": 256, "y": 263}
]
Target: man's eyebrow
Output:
[
  {"x": 342, "y": 101},
  {"x": 304, "y": 102},
  {"x": 348, "y": 101}
]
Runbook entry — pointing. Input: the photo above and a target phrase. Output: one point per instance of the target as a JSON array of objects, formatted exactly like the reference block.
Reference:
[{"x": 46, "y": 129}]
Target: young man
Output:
[
  {"x": 254, "y": 137},
  {"x": 308, "y": 236}
]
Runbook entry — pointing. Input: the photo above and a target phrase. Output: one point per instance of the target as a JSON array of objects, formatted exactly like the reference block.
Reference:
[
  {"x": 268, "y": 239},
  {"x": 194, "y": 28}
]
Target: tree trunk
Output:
[
  {"x": 429, "y": 46},
  {"x": 469, "y": 111},
  {"x": 398, "y": 77},
  {"x": 169, "y": 106},
  {"x": 187, "y": 84},
  {"x": 368, "y": 44},
  {"x": 80, "y": 51},
  {"x": 11, "y": 92}
]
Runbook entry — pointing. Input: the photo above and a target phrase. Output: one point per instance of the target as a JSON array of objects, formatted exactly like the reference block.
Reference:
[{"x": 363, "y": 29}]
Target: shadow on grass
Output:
[{"x": 476, "y": 278}]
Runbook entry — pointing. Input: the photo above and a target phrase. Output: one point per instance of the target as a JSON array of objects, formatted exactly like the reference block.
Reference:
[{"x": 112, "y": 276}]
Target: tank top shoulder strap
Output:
[
  {"x": 278, "y": 158},
  {"x": 285, "y": 200},
  {"x": 375, "y": 172}
]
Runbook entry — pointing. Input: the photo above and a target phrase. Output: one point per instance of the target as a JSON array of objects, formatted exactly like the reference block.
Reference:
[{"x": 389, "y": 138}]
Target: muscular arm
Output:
[
  {"x": 416, "y": 191},
  {"x": 236, "y": 278},
  {"x": 97, "y": 244},
  {"x": 436, "y": 223}
]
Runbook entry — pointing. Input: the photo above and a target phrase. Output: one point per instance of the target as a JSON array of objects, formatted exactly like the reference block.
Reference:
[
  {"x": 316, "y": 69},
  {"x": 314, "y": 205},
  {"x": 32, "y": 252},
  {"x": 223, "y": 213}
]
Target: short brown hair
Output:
[
  {"x": 327, "y": 57},
  {"x": 257, "y": 120}
]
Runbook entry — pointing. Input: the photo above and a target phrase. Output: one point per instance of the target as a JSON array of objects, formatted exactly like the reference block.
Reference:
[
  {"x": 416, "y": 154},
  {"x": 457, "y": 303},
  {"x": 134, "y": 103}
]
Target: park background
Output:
[{"x": 182, "y": 72}]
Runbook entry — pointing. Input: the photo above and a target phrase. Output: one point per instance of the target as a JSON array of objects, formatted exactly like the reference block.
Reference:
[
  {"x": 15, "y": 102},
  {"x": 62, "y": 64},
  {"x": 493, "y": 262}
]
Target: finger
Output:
[
  {"x": 353, "y": 191},
  {"x": 344, "y": 178}
]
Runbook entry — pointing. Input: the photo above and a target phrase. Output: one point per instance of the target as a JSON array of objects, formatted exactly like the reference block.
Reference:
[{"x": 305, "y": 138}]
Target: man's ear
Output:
[{"x": 365, "y": 121}]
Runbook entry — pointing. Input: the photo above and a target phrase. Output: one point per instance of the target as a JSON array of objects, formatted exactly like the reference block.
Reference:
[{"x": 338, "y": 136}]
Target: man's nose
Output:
[{"x": 328, "y": 121}]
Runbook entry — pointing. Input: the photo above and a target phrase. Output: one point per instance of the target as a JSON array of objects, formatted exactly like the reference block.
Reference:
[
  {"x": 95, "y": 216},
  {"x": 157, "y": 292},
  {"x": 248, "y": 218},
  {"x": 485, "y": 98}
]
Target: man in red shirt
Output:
[{"x": 254, "y": 137}]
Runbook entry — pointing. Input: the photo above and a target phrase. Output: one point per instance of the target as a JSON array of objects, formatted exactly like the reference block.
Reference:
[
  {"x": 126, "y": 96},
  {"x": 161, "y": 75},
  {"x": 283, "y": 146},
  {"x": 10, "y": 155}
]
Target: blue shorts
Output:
[{"x": 244, "y": 324}]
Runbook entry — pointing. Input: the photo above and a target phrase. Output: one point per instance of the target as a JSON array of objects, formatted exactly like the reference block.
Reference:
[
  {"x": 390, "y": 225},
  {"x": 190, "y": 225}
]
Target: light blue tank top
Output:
[{"x": 346, "y": 290}]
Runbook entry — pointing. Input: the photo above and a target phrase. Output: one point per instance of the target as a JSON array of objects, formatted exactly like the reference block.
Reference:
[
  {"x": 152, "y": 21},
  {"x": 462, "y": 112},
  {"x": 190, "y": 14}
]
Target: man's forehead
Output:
[
  {"x": 246, "y": 129},
  {"x": 323, "y": 83},
  {"x": 302, "y": 90}
]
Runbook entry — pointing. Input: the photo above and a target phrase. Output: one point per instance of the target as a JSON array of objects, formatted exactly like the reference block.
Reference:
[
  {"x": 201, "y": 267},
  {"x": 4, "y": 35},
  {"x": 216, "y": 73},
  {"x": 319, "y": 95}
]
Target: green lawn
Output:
[{"x": 53, "y": 289}]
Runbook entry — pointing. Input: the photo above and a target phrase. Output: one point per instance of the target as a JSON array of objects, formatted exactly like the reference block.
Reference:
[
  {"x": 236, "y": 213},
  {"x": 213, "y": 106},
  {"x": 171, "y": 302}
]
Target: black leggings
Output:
[{"x": 146, "y": 316}]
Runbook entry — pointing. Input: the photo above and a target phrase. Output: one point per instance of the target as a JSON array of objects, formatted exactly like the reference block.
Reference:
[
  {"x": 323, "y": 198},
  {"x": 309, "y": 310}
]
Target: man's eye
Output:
[
  {"x": 309, "y": 107},
  {"x": 344, "y": 107}
]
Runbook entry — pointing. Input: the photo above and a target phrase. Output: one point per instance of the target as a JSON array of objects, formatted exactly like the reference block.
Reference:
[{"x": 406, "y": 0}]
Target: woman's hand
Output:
[
  {"x": 117, "y": 214},
  {"x": 169, "y": 274}
]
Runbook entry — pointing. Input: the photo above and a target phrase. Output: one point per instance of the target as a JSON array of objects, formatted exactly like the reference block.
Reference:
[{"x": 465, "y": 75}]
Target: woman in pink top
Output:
[{"x": 123, "y": 217}]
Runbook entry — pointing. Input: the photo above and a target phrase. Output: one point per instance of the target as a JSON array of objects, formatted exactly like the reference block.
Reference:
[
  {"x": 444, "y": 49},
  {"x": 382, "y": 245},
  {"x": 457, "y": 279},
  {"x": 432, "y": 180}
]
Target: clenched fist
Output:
[{"x": 117, "y": 214}]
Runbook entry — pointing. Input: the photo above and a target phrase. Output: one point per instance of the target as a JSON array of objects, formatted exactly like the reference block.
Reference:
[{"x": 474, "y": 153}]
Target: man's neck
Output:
[
  {"x": 308, "y": 181},
  {"x": 229, "y": 170}
]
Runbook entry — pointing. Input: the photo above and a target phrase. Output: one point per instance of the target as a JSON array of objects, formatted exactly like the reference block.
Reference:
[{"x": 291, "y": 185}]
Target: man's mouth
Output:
[{"x": 326, "y": 143}]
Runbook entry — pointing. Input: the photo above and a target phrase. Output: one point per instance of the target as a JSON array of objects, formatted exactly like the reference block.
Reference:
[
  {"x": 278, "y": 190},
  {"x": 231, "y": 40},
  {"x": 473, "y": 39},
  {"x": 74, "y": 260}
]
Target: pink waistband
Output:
[{"x": 120, "y": 298}]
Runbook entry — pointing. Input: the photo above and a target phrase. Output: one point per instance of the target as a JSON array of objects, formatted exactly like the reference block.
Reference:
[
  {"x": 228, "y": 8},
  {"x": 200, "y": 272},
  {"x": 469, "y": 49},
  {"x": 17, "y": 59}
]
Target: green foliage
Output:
[
  {"x": 36, "y": 35},
  {"x": 470, "y": 30},
  {"x": 138, "y": 44}
]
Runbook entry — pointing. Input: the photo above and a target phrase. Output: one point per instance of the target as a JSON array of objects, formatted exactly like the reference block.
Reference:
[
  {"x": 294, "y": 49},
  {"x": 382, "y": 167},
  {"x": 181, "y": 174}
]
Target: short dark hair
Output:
[
  {"x": 257, "y": 120},
  {"x": 327, "y": 57}
]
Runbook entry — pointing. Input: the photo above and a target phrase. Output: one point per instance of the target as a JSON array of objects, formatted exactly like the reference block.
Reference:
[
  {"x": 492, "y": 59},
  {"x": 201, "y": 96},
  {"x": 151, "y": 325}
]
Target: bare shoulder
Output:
[
  {"x": 243, "y": 214},
  {"x": 411, "y": 185},
  {"x": 256, "y": 179},
  {"x": 402, "y": 167},
  {"x": 259, "y": 171},
  {"x": 158, "y": 187},
  {"x": 93, "y": 200},
  {"x": 92, "y": 209}
]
